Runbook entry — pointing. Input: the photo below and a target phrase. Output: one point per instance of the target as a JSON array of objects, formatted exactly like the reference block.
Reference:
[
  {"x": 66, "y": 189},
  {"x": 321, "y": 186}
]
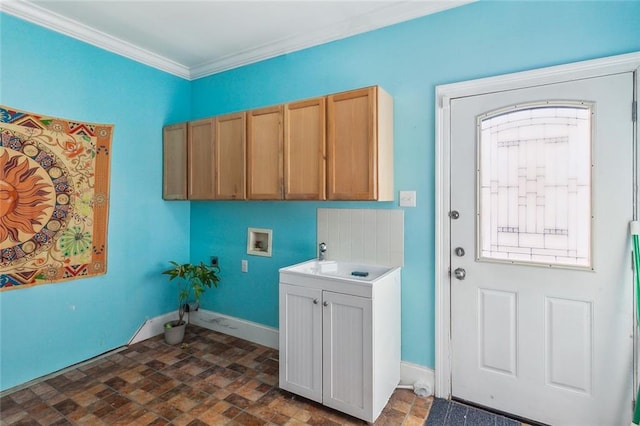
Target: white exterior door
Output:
[{"x": 541, "y": 283}]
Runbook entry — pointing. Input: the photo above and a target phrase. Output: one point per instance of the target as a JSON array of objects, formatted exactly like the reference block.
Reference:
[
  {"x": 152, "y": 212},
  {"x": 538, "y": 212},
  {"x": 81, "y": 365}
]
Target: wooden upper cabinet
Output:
[
  {"x": 304, "y": 150},
  {"x": 230, "y": 156},
  {"x": 264, "y": 153},
  {"x": 338, "y": 147},
  {"x": 201, "y": 169},
  {"x": 360, "y": 145},
  {"x": 174, "y": 170}
]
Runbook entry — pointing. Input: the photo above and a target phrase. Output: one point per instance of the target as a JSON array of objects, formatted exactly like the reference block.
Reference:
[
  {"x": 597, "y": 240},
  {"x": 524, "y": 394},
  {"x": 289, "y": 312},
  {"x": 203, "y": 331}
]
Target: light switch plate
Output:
[{"x": 407, "y": 198}]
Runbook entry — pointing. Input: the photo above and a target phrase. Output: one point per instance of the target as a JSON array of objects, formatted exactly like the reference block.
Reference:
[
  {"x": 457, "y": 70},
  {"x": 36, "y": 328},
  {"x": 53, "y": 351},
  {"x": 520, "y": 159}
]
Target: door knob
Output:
[
  {"x": 460, "y": 273},
  {"x": 459, "y": 251},
  {"x": 454, "y": 214},
  {"x": 315, "y": 301}
]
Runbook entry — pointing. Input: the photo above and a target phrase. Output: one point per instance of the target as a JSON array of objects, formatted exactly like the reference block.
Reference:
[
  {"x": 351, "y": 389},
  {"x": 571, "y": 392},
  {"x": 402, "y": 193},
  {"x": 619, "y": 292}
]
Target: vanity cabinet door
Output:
[
  {"x": 264, "y": 153},
  {"x": 201, "y": 160},
  {"x": 347, "y": 354},
  {"x": 304, "y": 150},
  {"x": 360, "y": 145},
  {"x": 174, "y": 176},
  {"x": 301, "y": 341},
  {"x": 230, "y": 156}
]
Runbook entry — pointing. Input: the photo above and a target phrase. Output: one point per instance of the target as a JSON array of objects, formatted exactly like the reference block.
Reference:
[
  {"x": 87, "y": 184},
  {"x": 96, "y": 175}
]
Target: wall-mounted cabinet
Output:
[
  {"x": 360, "y": 145},
  {"x": 205, "y": 159},
  {"x": 230, "y": 143},
  {"x": 304, "y": 150},
  {"x": 336, "y": 147},
  {"x": 201, "y": 159},
  {"x": 264, "y": 153},
  {"x": 174, "y": 146}
]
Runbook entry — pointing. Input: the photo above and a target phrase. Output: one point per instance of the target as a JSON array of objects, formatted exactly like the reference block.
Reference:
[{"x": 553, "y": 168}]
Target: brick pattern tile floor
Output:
[{"x": 212, "y": 379}]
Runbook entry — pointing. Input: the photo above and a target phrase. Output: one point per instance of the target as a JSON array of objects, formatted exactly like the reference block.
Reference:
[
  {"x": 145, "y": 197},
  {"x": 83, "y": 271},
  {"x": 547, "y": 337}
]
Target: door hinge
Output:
[{"x": 634, "y": 111}]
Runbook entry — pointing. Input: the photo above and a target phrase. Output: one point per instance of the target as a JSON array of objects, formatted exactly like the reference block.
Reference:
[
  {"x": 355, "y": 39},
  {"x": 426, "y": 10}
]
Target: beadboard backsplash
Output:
[{"x": 371, "y": 236}]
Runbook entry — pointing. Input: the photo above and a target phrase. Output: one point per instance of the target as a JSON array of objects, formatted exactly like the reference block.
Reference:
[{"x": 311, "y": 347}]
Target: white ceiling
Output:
[{"x": 193, "y": 39}]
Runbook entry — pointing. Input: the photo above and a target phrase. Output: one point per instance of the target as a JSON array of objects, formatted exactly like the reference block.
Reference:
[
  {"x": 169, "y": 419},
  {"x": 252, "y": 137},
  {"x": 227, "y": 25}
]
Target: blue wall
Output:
[
  {"x": 408, "y": 60},
  {"x": 48, "y": 327}
]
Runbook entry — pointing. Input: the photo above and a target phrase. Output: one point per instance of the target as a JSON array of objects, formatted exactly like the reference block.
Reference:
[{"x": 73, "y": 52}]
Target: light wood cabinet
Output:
[
  {"x": 174, "y": 162},
  {"x": 304, "y": 150},
  {"x": 338, "y": 147},
  {"x": 264, "y": 153},
  {"x": 230, "y": 156},
  {"x": 205, "y": 159},
  {"x": 201, "y": 159},
  {"x": 360, "y": 145}
]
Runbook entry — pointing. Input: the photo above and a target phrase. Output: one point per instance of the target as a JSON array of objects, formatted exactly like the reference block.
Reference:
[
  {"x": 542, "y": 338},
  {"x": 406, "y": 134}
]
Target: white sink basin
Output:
[{"x": 338, "y": 269}]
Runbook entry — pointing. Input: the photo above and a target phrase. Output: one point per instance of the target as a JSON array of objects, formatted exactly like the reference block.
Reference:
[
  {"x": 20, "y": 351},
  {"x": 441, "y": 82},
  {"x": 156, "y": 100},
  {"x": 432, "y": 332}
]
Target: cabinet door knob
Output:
[
  {"x": 325, "y": 303},
  {"x": 315, "y": 301}
]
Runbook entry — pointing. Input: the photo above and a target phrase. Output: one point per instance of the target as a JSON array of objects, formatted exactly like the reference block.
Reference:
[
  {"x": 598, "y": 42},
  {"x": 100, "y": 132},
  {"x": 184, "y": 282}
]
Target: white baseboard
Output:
[
  {"x": 247, "y": 330},
  {"x": 243, "y": 329},
  {"x": 410, "y": 374},
  {"x": 152, "y": 327}
]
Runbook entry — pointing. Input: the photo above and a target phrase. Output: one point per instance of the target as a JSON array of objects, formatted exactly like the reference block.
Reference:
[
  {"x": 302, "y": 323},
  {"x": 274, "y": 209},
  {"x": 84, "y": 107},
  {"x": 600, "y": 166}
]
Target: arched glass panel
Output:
[{"x": 534, "y": 185}]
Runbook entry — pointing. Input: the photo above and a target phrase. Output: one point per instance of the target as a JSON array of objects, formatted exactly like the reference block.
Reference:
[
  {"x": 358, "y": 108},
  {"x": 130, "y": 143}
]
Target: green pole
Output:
[{"x": 635, "y": 230}]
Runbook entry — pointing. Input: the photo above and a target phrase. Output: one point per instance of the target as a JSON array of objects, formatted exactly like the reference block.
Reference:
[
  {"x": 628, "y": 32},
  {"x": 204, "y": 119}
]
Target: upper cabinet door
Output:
[
  {"x": 201, "y": 160},
  {"x": 174, "y": 183},
  {"x": 304, "y": 150},
  {"x": 230, "y": 155},
  {"x": 360, "y": 145},
  {"x": 264, "y": 153}
]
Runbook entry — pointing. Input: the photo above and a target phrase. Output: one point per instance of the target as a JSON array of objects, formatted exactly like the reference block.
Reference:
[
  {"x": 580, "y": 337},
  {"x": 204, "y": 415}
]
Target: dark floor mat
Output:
[{"x": 450, "y": 413}]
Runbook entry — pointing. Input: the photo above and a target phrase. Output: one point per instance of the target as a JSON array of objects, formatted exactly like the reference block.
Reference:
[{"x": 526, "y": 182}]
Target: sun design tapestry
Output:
[{"x": 54, "y": 198}]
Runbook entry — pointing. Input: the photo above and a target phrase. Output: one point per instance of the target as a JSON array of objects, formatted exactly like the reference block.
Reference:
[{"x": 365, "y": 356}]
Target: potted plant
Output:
[{"x": 195, "y": 279}]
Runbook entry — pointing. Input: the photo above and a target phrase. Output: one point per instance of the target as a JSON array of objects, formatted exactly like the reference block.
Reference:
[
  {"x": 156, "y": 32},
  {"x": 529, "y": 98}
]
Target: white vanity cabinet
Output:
[{"x": 340, "y": 340}]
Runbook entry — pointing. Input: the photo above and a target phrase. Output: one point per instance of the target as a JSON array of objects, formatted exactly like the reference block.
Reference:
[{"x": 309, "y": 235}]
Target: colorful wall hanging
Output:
[{"x": 54, "y": 198}]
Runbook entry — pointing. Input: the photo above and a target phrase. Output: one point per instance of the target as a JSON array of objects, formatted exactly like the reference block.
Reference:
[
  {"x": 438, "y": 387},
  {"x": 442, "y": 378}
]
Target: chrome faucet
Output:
[{"x": 322, "y": 249}]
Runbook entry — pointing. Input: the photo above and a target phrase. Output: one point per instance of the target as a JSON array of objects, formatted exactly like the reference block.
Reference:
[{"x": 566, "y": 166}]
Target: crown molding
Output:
[
  {"x": 58, "y": 23},
  {"x": 389, "y": 15},
  {"x": 392, "y": 14}
]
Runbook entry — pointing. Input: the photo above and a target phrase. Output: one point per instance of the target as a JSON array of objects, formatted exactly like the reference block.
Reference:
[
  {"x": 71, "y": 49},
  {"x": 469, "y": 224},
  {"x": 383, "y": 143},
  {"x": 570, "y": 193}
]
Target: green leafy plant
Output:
[{"x": 195, "y": 279}]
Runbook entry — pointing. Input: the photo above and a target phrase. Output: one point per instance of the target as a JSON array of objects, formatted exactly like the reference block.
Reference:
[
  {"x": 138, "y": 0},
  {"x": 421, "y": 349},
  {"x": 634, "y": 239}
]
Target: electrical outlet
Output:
[
  {"x": 214, "y": 261},
  {"x": 244, "y": 265}
]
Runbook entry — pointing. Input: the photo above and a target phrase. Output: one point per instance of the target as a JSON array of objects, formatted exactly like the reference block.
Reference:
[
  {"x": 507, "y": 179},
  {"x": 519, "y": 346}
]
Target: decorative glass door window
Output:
[{"x": 534, "y": 184}]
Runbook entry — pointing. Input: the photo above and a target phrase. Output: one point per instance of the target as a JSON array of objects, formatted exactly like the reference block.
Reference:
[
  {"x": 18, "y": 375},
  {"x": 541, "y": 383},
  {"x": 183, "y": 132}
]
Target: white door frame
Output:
[{"x": 444, "y": 95}]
